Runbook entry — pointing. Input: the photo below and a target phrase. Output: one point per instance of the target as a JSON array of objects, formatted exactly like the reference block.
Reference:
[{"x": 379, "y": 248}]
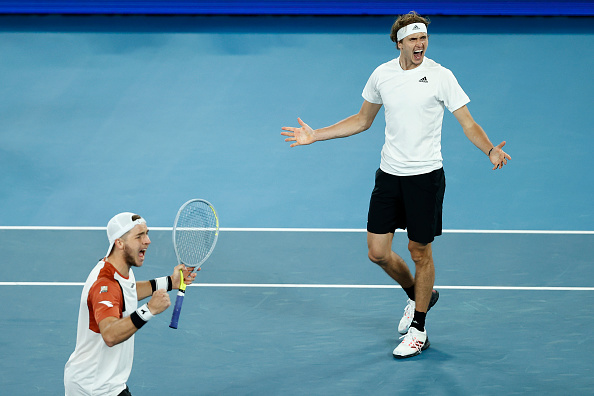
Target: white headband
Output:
[{"x": 410, "y": 29}]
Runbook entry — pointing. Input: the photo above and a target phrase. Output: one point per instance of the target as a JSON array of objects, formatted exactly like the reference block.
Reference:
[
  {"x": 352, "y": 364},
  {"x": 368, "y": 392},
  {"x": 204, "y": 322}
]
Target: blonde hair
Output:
[{"x": 404, "y": 20}]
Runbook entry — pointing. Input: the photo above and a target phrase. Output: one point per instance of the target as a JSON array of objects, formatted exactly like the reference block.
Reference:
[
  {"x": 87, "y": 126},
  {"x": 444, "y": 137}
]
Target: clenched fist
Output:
[{"x": 159, "y": 302}]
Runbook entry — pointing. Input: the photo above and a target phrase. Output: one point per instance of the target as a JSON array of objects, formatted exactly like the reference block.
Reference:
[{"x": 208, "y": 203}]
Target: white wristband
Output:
[
  {"x": 144, "y": 312},
  {"x": 162, "y": 283}
]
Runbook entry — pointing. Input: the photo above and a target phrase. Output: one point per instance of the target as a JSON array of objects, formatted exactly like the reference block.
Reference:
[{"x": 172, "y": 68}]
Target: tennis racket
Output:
[{"x": 195, "y": 234}]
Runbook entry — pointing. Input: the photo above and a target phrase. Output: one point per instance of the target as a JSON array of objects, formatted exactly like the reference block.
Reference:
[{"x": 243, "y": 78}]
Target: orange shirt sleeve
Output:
[{"x": 104, "y": 300}]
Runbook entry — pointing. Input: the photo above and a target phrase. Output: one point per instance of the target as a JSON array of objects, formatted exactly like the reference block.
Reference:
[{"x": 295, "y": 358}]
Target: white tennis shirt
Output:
[
  {"x": 414, "y": 102},
  {"x": 94, "y": 368}
]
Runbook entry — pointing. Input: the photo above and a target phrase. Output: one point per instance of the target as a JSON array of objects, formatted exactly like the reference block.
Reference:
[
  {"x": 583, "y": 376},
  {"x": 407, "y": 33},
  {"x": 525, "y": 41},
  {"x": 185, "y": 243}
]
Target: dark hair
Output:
[
  {"x": 136, "y": 217},
  {"x": 404, "y": 20}
]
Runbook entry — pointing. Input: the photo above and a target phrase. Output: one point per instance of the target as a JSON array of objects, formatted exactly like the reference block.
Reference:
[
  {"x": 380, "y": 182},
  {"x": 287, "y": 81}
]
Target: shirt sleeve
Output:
[
  {"x": 450, "y": 92},
  {"x": 105, "y": 300},
  {"x": 370, "y": 92}
]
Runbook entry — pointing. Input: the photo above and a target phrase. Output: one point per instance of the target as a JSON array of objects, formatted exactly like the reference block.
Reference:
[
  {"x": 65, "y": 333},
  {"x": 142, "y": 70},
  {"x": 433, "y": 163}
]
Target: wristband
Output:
[
  {"x": 161, "y": 283},
  {"x": 141, "y": 316},
  {"x": 488, "y": 155}
]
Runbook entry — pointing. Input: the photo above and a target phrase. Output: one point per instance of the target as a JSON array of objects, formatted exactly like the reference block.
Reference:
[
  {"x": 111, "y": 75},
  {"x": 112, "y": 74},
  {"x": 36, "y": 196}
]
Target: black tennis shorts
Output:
[{"x": 412, "y": 203}]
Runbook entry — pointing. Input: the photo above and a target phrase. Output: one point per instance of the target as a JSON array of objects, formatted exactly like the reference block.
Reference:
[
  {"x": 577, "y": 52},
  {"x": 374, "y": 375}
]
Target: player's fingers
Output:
[
  {"x": 303, "y": 124},
  {"x": 161, "y": 295},
  {"x": 179, "y": 267},
  {"x": 162, "y": 302}
]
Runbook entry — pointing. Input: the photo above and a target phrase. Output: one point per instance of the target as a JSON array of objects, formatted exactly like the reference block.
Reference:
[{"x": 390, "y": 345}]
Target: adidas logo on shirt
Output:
[{"x": 424, "y": 80}]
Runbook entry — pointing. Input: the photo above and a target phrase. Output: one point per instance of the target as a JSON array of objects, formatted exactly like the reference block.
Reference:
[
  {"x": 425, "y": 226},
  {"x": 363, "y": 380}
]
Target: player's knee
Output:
[
  {"x": 419, "y": 253},
  {"x": 377, "y": 256}
]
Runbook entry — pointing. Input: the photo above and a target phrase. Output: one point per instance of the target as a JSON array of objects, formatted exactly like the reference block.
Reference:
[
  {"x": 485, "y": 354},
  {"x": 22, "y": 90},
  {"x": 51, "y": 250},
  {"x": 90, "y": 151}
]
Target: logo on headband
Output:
[{"x": 409, "y": 29}]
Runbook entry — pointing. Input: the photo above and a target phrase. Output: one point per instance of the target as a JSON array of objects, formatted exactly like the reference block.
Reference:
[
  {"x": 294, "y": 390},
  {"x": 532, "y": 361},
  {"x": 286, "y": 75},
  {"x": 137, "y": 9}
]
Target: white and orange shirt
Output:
[{"x": 94, "y": 368}]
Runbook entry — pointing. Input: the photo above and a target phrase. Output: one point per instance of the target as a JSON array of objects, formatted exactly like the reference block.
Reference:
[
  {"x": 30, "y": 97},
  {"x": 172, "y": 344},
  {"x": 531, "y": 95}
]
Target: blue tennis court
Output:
[
  {"x": 104, "y": 114},
  {"x": 273, "y": 317}
]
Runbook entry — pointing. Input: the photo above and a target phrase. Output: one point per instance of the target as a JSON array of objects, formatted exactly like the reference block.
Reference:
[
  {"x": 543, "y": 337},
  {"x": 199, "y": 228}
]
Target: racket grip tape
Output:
[{"x": 177, "y": 309}]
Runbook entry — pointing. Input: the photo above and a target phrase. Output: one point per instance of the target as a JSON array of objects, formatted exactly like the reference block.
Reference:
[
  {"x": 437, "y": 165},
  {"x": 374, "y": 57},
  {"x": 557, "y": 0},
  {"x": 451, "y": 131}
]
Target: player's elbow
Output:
[
  {"x": 365, "y": 123},
  {"x": 110, "y": 340}
]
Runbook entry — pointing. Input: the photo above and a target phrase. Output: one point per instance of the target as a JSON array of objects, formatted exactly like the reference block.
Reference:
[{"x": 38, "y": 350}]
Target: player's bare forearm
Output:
[
  {"x": 115, "y": 331},
  {"x": 479, "y": 138},
  {"x": 475, "y": 133},
  {"x": 306, "y": 135},
  {"x": 143, "y": 290},
  {"x": 349, "y": 126}
]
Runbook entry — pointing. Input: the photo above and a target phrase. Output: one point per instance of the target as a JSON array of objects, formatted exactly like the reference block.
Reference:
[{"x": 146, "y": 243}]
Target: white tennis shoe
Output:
[
  {"x": 407, "y": 317},
  {"x": 409, "y": 312},
  {"x": 413, "y": 343}
]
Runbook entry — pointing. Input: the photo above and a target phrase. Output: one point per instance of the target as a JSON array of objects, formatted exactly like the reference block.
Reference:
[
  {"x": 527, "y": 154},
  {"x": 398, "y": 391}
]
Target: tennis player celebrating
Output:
[
  {"x": 410, "y": 183},
  {"x": 109, "y": 315}
]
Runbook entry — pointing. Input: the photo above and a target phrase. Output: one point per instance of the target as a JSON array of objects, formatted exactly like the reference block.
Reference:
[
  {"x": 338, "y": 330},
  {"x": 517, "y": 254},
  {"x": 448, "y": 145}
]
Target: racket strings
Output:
[{"x": 195, "y": 233}]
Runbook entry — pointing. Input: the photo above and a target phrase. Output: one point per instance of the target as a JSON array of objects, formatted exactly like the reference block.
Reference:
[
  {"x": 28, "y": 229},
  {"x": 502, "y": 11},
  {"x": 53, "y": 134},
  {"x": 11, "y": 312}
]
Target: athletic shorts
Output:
[{"x": 412, "y": 203}]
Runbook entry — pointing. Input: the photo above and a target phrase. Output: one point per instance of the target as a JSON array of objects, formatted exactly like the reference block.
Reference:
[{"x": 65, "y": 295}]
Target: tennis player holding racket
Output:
[
  {"x": 410, "y": 184},
  {"x": 109, "y": 315}
]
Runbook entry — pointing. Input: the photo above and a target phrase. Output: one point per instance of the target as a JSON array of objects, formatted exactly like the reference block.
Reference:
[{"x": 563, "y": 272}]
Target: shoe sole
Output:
[{"x": 424, "y": 347}]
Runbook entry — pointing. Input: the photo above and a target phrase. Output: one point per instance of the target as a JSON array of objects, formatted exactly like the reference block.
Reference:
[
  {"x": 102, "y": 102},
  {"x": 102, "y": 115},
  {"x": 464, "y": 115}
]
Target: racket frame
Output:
[
  {"x": 182, "y": 290},
  {"x": 216, "y": 237}
]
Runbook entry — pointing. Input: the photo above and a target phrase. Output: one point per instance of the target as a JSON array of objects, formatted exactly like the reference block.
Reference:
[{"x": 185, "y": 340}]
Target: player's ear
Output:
[{"x": 119, "y": 243}]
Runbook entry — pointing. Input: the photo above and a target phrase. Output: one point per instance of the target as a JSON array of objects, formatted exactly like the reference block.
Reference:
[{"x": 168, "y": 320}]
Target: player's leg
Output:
[
  {"x": 423, "y": 199},
  {"x": 415, "y": 340},
  {"x": 422, "y": 255},
  {"x": 386, "y": 213},
  {"x": 381, "y": 253}
]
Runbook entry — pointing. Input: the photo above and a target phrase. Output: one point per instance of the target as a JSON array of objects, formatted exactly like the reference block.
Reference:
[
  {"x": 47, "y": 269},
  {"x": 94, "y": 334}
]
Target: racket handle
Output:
[{"x": 177, "y": 309}]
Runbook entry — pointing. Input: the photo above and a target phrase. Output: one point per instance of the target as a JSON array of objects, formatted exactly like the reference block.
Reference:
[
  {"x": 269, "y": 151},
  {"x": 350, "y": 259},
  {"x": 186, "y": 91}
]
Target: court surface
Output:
[
  {"x": 306, "y": 313},
  {"x": 103, "y": 115}
]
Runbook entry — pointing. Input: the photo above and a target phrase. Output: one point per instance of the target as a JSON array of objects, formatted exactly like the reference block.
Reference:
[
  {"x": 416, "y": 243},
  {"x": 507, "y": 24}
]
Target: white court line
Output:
[
  {"x": 326, "y": 286},
  {"x": 338, "y": 230}
]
